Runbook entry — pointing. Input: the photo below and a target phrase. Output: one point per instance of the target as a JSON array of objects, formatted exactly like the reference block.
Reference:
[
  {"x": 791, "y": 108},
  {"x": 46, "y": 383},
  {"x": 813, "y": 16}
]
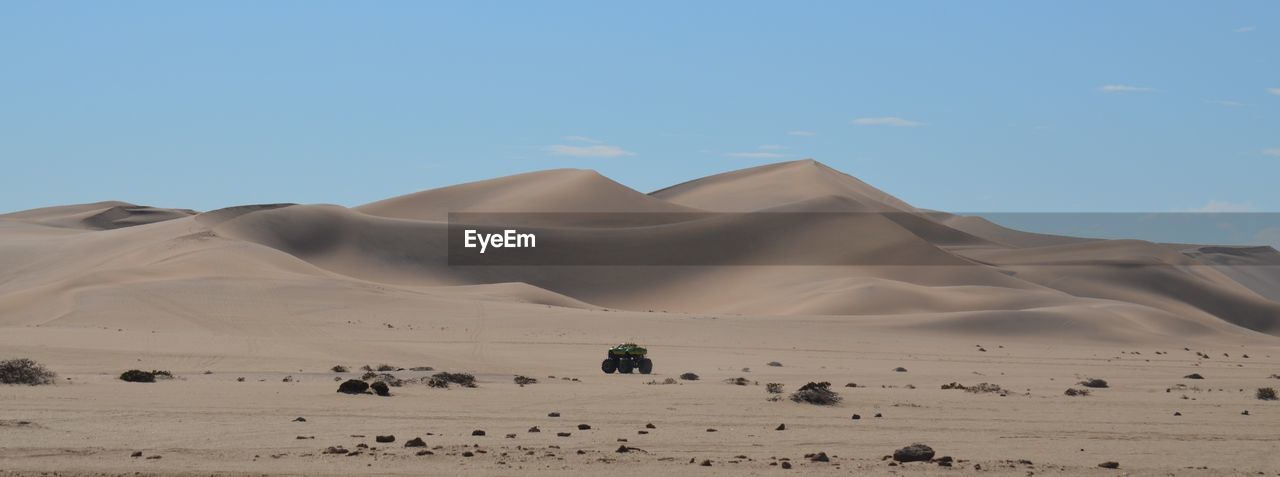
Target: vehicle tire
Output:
[
  {"x": 625, "y": 365},
  {"x": 609, "y": 365},
  {"x": 646, "y": 366}
]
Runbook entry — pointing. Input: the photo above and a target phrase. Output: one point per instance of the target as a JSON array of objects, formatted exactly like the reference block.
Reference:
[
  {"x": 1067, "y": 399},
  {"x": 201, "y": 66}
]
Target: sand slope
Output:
[
  {"x": 777, "y": 184},
  {"x": 559, "y": 190},
  {"x": 98, "y": 215}
]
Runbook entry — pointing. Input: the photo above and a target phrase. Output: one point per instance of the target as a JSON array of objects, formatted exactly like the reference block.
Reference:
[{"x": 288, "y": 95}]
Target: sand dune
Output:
[
  {"x": 775, "y": 185},
  {"x": 830, "y": 245},
  {"x": 559, "y": 190},
  {"x": 97, "y": 216}
]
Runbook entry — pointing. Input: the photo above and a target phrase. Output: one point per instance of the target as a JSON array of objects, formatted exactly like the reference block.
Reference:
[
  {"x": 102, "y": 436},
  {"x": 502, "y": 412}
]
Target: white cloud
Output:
[
  {"x": 801, "y": 133},
  {"x": 1245, "y": 29},
  {"x": 599, "y": 150},
  {"x": 1223, "y": 206},
  {"x": 756, "y": 155},
  {"x": 1275, "y": 151},
  {"x": 1275, "y": 91},
  {"x": 1229, "y": 104},
  {"x": 772, "y": 147},
  {"x": 887, "y": 121},
  {"x": 582, "y": 139},
  {"x": 1123, "y": 88}
]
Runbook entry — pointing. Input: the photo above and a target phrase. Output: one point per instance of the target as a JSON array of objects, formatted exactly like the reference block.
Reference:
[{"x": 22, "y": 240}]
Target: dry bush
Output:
[
  {"x": 390, "y": 380},
  {"x": 1093, "y": 383},
  {"x": 338, "y": 368},
  {"x": 775, "y": 364},
  {"x": 816, "y": 393},
  {"x": 981, "y": 388},
  {"x": 25, "y": 371},
  {"x": 387, "y": 367},
  {"x": 1266, "y": 394},
  {"x": 740, "y": 381},
  {"x": 138, "y": 376},
  {"x": 773, "y": 388},
  {"x": 689, "y": 377},
  {"x": 523, "y": 380},
  {"x": 462, "y": 379},
  {"x": 1076, "y": 392}
]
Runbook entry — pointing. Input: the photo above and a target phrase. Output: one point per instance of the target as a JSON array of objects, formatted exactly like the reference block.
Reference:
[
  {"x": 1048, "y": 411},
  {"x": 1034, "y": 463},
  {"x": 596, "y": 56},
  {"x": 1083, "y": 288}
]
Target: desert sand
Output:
[{"x": 251, "y": 306}]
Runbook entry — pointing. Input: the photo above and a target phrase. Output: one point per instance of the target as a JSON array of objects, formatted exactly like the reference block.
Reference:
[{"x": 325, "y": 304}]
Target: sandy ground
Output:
[{"x": 210, "y": 424}]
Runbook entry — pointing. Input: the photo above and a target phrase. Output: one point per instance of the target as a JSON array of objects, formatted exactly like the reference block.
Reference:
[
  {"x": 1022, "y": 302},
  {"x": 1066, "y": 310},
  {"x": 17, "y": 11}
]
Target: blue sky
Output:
[{"x": 966, "y": 106}]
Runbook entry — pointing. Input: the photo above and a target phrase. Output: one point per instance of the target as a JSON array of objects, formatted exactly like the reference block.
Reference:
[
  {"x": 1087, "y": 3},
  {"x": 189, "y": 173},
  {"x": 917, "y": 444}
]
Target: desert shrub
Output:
[
  {"x": 368, "y": 375},
  {"x": 664, "y": 381},
  {"x": 339, "y": 368},
  {"x": 462, "y": 379},
  {"x": 162, "y": 374},
  {"x": 775, "y": 364},
  {"x": 1266, "y": 394},
  {"x": 816, "y": 393},
  {"x": 981, "y": 388},
  {"x": 1076, "y": 392},
  {"x": 422, "y": 368},
  {"x": 523, "y": 380},
  {"x": 773, "y": 388},
  {"x": 689, "y": 377},
  {"x": 1093, "y": 383},
  {"x": 24, "y": 371},
  {"x": 366, "y": 368},
  {"x": 386, "y": 367},
  {"x": 353, "y": 386},
  {"x": 138, "y": 376},
  {"x": 740, "y": 381},
  {"x": 437, "y": 383},
  {"x": 1193, "y": 376},
  {"x": 899, "y": 369}
]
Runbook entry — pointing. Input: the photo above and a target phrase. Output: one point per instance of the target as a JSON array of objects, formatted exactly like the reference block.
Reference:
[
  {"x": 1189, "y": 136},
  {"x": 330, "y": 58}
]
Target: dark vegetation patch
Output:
[
  {"x": 25, "y": 371},
  {"x": 816, "y": 393}
]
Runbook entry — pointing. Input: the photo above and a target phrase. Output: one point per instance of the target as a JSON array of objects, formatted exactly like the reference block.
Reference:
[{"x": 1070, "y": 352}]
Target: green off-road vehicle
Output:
[{"x": 626, "y": 357}]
